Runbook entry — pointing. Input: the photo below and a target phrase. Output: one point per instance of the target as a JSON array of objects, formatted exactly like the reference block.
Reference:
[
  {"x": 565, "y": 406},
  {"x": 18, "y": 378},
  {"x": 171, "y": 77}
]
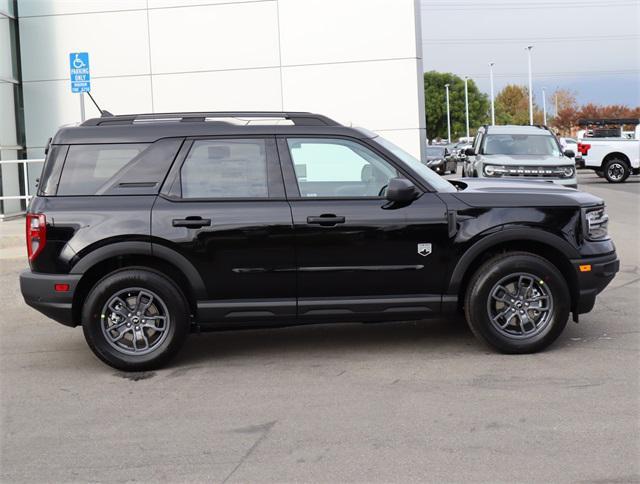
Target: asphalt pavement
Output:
[{"x": 418, "y": 401}]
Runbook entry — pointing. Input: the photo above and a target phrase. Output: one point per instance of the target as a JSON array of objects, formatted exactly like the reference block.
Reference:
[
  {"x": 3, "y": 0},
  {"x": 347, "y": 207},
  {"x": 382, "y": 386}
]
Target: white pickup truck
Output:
[{"x": 614, "y": 158}]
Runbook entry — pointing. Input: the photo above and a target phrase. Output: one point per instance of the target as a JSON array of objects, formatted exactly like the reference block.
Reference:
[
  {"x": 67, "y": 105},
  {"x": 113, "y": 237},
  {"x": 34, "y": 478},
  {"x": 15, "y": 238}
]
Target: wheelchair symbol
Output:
[{"x": 78, "y": 63}]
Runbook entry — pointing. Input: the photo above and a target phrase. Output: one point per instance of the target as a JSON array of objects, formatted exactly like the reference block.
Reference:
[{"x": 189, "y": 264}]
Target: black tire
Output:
[
  {"x": 479, "y": 300},
  {"x": 163, "y": 296},
  {"x": 616, "y": 170}
]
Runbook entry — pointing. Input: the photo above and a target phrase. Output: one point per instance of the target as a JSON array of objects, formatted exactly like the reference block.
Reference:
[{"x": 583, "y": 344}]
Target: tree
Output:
[
  {"x": 567, "y": 110},
  {"x": 512, "y": 106},
  {"x": 436, "y": 105}
]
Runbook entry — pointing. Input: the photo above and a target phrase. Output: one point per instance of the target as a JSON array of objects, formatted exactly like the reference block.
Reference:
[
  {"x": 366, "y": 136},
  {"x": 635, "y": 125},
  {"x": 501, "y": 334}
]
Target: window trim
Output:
[
  {"x": 172, "y": 187},
  {"x": 291, "y": 180}
]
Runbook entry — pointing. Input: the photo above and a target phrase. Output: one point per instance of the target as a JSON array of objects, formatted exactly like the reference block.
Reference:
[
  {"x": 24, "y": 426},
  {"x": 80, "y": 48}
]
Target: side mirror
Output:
[
  {"x": 569, "y": 153},
  {"x": 470, "y": 152},
  {"x": 401, "y": 190}
]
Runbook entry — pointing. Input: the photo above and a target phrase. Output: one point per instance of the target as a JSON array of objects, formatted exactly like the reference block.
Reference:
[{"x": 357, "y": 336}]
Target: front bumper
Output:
[
  {"x": 592, "y": 282},
  {"x": 38, "y": 291}
]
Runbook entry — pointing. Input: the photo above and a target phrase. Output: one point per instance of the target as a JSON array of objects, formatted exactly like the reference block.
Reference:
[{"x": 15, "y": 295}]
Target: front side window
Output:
[
  {"x": 338, "y": 168},
  {"x": 520, "y": 144},
  {"x": 89, "y": 167},
  {"x": 232, "y": 168}
]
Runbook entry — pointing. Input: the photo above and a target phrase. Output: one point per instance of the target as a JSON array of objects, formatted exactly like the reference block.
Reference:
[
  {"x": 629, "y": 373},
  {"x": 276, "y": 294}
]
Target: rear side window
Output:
[
  {"x": 89, "y": 167},
  {"x": 225, "y": 169}
]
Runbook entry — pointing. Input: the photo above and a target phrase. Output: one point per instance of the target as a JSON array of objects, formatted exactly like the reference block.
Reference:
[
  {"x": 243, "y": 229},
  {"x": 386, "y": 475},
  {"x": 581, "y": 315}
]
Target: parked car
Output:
[
  {"x": 148, "y": 227},
  {"x": 526, "y": 152},
  {"x": 440, "y": 160},
  {"x": 572, "y": 144},
  {"x": 615, "y": 158}
]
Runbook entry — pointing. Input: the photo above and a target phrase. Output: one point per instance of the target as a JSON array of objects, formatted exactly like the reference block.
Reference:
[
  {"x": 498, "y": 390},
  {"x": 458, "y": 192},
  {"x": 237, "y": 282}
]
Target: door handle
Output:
[
  {"x": 192, "y": 222},
  {"x": 326, "y": 220}
]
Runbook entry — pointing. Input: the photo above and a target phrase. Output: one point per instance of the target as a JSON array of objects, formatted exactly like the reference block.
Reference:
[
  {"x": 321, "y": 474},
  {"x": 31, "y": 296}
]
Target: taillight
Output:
[
  {"x": 584, "y": 148},
  {"x": 36, "y": 234}
]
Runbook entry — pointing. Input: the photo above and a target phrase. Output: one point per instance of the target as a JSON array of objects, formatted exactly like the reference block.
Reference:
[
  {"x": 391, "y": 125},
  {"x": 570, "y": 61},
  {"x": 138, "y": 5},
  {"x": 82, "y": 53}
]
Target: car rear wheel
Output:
[
  {"x": 616, "y": 171},
  {"x": 135, "y": 319},
  {"x": 517, "y": 302}
]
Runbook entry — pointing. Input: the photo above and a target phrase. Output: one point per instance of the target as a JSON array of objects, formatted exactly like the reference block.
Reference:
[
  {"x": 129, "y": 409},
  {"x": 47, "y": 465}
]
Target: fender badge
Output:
[{"x": 424, "y": 249}]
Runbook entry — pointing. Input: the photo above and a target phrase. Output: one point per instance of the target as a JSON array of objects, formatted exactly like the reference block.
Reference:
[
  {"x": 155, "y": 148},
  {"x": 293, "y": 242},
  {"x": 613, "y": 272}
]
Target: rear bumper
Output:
[
  {"x": 592, "y": 282},
  {"x": 38, "y": 291}
]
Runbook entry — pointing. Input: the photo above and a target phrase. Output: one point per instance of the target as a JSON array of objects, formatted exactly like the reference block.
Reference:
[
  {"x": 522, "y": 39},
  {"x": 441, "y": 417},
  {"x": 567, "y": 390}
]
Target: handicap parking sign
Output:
[{"x": 79, "y": 72}]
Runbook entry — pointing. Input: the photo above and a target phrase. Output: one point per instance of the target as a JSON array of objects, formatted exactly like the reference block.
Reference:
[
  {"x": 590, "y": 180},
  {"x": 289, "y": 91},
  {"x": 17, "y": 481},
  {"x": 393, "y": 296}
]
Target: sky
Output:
[{"x": 591, "y": 47}]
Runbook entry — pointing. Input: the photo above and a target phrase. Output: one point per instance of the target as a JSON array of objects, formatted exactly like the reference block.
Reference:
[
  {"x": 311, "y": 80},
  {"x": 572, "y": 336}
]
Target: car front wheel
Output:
[
  {"x": 517, "y": 302},
  {"x": 135, "y": 319}
]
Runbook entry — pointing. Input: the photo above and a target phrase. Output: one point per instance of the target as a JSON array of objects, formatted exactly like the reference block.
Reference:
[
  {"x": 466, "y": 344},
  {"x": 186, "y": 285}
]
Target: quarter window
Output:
[
  {"x": 225, "y": 169},
  {"x": 338, "y": 168},
  {"x": 89, "y": 167}
]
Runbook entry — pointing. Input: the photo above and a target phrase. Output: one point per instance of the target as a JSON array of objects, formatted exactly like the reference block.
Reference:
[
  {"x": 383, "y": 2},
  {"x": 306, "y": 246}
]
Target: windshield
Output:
[
  {"x": 427, "y": 174},
  {"x": 520, "y": 144},
  {"x": 435, "y": 151}
]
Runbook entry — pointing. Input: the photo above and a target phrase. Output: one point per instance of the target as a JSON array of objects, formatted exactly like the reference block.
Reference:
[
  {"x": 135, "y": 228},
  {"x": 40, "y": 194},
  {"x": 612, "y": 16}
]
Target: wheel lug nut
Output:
[
  {"x": 137, "y": 328},
  {"x": 128, "y": 325}
]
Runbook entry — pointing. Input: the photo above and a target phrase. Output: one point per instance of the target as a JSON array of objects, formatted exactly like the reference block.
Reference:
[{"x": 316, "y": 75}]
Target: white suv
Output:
[{"x": 527, "y": 152}]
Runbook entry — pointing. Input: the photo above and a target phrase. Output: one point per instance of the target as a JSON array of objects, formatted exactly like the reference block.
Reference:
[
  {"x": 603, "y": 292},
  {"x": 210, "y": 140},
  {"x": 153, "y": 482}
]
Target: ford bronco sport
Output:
[
  {"x": 521, "y": 152},
  {"x": 146, "y": 227}
]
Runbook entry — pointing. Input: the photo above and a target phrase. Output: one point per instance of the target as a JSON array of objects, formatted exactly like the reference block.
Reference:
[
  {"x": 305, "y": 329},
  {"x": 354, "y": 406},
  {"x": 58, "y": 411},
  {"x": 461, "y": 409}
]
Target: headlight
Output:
[
  {"x": 596, "y": 223},
  {"x": 568, "y": 171},
  {"x": 493, "y": 170}
]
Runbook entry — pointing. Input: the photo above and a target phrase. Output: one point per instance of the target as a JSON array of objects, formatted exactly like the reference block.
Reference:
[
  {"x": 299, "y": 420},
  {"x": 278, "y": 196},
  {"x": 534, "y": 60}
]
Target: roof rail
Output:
[{"x": 297, "y": 118}]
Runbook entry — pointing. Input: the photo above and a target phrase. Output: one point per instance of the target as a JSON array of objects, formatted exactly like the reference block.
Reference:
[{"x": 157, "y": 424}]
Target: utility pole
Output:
[
  {"x": 556, "y": 103},
  {"x": 446, "y": 87},
  {"x": 544, "y": 106},
  {"x": 493, "y": 108},
  {"x": 529, "y": 47},
  {"x": 466, "y": 103}
]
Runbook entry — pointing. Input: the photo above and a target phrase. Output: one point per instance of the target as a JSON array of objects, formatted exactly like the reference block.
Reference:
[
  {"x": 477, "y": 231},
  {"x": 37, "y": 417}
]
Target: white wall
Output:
[{"x": 357, "y": 61}]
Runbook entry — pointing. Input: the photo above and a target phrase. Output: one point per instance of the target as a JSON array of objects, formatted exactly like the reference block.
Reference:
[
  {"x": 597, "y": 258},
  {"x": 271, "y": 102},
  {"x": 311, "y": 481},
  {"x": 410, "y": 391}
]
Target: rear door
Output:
[{"x": 223, "y": 208}]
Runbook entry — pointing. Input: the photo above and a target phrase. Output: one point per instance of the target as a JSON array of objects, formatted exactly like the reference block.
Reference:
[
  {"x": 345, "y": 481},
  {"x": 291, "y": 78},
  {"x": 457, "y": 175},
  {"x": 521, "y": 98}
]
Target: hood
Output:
[
  {"x": 485, "y": 192},
  {"x": 524, "y": 160}
]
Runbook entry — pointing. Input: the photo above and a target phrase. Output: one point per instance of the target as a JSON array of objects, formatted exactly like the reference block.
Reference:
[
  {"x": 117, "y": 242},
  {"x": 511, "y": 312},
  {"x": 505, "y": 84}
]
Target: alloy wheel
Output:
[
  {"x": 520, "y": 305},
  {"x": 616, "y": 171},
  {"x": 135, "y": 321}
]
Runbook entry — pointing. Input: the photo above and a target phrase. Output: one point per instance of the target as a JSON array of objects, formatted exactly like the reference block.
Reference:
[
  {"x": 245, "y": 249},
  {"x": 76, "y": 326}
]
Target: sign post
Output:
[{"x": 80, "y": 76}]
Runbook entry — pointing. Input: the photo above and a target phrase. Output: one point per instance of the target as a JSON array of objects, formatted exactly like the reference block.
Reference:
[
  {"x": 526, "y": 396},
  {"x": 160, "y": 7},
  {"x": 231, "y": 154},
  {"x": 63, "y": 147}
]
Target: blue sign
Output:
[{"x": 79, "y": 69}]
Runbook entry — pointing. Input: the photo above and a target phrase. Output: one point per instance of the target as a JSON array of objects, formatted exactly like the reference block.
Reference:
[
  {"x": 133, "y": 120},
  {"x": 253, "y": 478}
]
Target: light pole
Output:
[
  {"x": 529, "y": 47},
  {"x": 493, "y": 109},
  {"x": 446, "y": 87},
  {"x": 466, "y": 103},
  {"x": 544, "y": 106}
]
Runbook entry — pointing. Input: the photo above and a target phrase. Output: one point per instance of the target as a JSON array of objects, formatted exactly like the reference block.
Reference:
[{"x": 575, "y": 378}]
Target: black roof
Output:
[{"x": 147, "y": 128}]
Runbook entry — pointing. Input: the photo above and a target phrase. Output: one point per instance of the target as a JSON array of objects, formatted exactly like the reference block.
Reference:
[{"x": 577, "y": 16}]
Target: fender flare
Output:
[
  {"x": 507, "y": 234},
  {"x": 161, "y": 252}
]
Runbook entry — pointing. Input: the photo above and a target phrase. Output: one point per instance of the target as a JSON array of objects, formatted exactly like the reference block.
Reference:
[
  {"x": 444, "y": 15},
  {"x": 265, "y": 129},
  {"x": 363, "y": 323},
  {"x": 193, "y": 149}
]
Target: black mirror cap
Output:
[
  {"x": 569, "y": 153},
  {"x": 470, "y": 152},
  {"x": 401, "y": 190}
]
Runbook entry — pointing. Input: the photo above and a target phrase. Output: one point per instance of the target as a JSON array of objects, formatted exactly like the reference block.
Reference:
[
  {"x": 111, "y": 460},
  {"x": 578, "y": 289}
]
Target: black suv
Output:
[{"x": 147, "y": 227}]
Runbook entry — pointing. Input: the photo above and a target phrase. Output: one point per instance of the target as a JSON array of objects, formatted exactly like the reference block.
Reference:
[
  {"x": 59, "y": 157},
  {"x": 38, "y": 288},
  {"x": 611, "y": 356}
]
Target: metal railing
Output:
[{"x": 13, "y": 184}]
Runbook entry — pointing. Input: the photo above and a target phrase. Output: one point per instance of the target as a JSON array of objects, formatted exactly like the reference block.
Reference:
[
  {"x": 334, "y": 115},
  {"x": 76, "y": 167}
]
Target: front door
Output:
[
  {"x": 359, "y": 258},
  {"x": 223, "y": 209}
]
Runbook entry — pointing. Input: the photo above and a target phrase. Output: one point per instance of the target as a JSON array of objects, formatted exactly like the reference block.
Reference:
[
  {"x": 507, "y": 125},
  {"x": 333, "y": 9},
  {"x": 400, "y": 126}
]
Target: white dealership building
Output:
[{"x": 357, "y": 61}]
